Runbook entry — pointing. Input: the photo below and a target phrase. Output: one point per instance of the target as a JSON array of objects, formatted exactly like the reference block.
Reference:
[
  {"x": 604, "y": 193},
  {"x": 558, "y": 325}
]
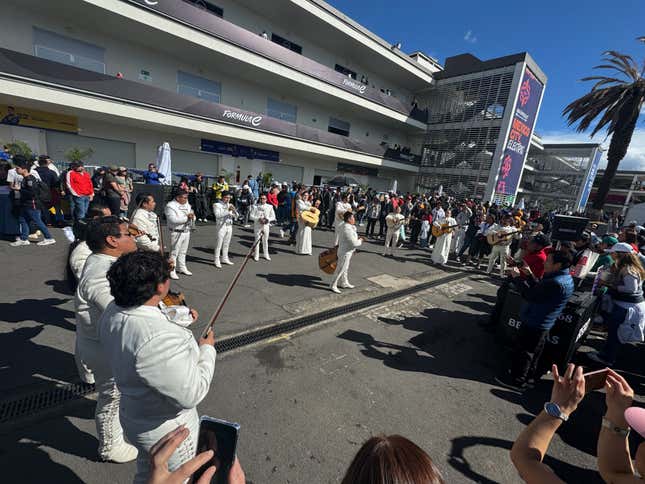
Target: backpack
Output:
[{"x": 42, "y": 193}]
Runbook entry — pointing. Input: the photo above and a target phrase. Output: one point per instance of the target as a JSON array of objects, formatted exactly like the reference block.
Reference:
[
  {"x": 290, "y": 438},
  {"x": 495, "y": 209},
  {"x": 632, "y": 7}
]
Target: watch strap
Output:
[
  {"x": 553, "y": 409},
  {"x": 608, "y": 424}
]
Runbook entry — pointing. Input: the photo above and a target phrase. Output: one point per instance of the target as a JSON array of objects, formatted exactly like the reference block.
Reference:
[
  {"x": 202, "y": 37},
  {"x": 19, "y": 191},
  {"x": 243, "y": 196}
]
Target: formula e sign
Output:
[{"x": 245, "y": 118}]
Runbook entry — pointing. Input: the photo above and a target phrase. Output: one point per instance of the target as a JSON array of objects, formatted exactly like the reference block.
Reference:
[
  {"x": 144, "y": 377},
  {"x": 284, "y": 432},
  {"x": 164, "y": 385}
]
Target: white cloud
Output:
[
  {"x": 470, "y": 37},
  {"x": 634, "y": 159}
]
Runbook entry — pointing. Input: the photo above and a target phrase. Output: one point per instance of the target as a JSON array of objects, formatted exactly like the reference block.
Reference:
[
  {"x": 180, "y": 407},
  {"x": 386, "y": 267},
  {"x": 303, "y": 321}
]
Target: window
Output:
[
  {"x": 208, "y": 6},
  {"x": 286, "y": 43},
  {"x": 345, "y": 70},
  {"x": 338, "y": 126},
  {"x": 57, "y": 48},
  {"x": 199, "y": 87},
  {"x": 281, "y": 110}
]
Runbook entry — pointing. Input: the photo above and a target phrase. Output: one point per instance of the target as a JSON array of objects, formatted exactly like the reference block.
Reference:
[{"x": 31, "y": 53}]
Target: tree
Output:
[
  {"x": 74, "y": 155},
  {"x": 18, "y": 147},
  {"x": 619, "y": 100}
]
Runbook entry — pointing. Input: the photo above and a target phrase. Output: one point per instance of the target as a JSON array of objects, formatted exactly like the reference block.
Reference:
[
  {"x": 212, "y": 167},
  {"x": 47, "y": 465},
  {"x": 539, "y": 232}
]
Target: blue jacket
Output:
[
  {"x": 153, "y": 177},
  {"x": 545, "y": 300},
  {"x": 255, "y": 188}
]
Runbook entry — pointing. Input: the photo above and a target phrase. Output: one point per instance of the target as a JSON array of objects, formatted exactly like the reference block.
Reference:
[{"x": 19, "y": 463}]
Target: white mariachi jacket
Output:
[
  {"x": 341, "y": 208},
  {"x": 348, "y": 239},
  {"x": 146, "y": 221},
  {"x": 177, "y": 216},
  {"x": 92, "y": 295},
  {"x": 260, "y": 212},
  {"x": 394, "y": 221},
  {"x": 159, "y": 368},
  {"x": 77, "y": 259},
  {"x": 223, "y": 216},
  {"x": 302, "y": 206}
]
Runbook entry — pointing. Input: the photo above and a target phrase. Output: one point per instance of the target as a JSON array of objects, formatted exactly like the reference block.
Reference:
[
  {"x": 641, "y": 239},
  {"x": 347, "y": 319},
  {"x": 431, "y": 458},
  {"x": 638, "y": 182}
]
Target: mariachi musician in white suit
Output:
[
  {"x": 348, "y": 241},
  {"x": 146, "y": 220},
  {"x": 225, "y": 213},
  {"x": 303, "y": 237},
  {"x": 262, "y": 215}
]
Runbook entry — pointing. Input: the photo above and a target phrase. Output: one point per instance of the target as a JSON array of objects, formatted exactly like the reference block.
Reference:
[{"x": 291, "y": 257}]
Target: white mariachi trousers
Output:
[
  {"x": 391, "y": 241},
  {"x": 261, "y": 230},
  {"x": 500, "y": 251},
  {"x": 342, "y": 269},
  {"x": 179, "y": 248},
  {"x": 106, "y": 416},
  {"x": 223, "y": 235}
]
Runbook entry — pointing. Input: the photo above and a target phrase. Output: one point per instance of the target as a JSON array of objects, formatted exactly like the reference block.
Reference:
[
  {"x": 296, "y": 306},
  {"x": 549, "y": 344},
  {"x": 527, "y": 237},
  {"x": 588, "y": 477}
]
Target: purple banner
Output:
[
  {"x": 222, "y": 29},
  {"x": 519, "y": 137}
]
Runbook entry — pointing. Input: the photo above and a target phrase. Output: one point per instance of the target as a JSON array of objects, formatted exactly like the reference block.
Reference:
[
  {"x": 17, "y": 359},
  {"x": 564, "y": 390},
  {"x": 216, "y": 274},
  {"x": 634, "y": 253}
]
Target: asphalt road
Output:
[{"x": 419, "y": 366}]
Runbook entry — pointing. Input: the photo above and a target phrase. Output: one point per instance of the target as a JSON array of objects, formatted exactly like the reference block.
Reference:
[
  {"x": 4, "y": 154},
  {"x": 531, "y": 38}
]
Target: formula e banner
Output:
[
  {"x": 591, "y": 176},
  {"x": 519, "y": 137}
]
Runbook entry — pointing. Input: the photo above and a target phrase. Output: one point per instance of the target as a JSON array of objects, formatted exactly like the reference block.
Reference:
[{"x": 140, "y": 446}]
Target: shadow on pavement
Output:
[
  {"x": 44, "y": 311},
  {"x": 60, "y": 286},
  {"x": 299, "y": 280},
  {"x": 458, "y": 460}
]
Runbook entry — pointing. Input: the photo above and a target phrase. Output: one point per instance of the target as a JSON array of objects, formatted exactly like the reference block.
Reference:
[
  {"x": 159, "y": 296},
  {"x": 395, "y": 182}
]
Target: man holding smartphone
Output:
[{"x": 162, "y": 372}]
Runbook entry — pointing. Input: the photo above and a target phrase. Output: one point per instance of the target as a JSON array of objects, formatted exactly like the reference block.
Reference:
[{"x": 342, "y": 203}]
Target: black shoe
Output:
[{"x": 511, "y": 383}]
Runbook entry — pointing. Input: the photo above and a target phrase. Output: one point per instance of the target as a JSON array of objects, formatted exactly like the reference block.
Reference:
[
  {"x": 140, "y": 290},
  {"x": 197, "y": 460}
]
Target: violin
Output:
[
  {"x": 136, "y": 232},
  {"x": 174, "y": 299}
]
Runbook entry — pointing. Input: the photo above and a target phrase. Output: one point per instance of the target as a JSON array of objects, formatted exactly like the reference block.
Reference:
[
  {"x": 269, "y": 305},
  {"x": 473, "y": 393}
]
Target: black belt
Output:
[{"x": 181, "y": 231}]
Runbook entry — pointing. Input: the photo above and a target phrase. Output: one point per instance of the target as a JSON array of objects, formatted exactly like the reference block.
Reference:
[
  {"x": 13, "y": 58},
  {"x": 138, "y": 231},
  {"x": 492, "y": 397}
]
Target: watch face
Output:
[{"x": 552, "y": 409}]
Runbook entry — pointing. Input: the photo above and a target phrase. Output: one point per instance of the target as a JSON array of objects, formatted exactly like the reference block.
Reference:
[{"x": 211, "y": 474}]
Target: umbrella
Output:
[
  {"x": 521, "y": 204},
  {"x": 342, "y": 181},
  {"x": 395, "y": 186},
  {"x": 164, "y": 163}
]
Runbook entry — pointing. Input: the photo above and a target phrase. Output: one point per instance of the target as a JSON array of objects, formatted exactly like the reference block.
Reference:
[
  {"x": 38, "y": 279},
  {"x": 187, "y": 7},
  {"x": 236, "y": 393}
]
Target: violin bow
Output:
[{"x": 217, "y": 312}]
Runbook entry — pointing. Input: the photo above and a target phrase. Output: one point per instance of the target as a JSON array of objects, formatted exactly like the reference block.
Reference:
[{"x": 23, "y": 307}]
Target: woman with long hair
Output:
[
  {"x": 392, "y": 459},
  {"x": 8, "y": 221},
  {"x": 625, "y": 304}
]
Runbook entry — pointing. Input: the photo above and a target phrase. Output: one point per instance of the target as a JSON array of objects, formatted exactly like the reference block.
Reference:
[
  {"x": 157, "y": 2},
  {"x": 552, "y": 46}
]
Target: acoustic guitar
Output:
[
  {"x": 327, "y": 260},
  {"x": 443, "y": 229},
  {"x": 310, "y": 217},
  {"x": 495, "y": 238}
]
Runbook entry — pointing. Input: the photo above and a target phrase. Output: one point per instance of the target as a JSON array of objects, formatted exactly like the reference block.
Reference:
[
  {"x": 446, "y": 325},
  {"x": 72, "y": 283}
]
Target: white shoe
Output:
[
  {"x": 47, "y": 242},
  {"x": 227, "y": 262},
  {"x": 218, "y": 265},
  {"x": 122, "y": 454},
  {"x": 19, "y": 242},
  {"x": 281, "y": 233},
  {"x": 35, "y": 236},
  {"x": 256, "y": 259},
  {"x": 186, "y": 272},
  {"x": 173, "y": 275},
  {"x": 335, "y": 289},
  {"x": 246, "y": 226},
  {"x": 267, "y": 257},
  {"x": 347, "y": 286}
]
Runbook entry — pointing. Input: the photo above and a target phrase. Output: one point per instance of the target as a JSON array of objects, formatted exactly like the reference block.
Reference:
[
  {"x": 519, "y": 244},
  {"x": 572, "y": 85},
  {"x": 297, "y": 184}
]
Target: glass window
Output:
[
  {"x": 338, "y": 126},
  {"x": 286, "y": 43},
  {"x": 199, "y": 87},
  {"x": 208, "y": 6},
  {"x": 345, "y": 70},
  {"x": 281, "y": 110},
  {"x": 58, "y": 48}
]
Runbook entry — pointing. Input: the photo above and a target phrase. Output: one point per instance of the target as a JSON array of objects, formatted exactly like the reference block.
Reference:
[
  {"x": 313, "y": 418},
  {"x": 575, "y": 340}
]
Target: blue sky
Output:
[{"x": 566, "y": 38}]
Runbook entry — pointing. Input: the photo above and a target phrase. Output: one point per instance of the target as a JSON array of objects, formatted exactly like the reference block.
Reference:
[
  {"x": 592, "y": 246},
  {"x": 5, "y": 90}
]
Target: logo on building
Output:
[
  {"x": 243, "y": 117},
  {"x": 525, "y": 92},
  {"x": 152, "y": 3},
  {"x": 355, "y": 85}
]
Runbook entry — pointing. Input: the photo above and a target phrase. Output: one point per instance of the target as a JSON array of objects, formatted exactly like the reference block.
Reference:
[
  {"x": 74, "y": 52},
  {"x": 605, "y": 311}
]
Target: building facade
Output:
[
  {"x": 482, "y": 116},
  {"x": 288, "y": 87},
  {"x": 627, "y": 189},
  {"x": 559, "y": 176}
]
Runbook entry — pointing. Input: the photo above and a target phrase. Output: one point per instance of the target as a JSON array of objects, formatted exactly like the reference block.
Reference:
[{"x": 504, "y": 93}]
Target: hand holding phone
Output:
[
  {"x": 595, "y": 380},
  {"x": 220, "y": 437}
]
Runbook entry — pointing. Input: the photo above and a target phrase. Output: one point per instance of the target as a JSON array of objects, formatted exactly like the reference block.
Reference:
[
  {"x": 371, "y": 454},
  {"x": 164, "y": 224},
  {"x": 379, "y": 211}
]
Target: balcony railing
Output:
[
  {"x": 222, "y": 29},
  {"x": 34, "y": 69}
]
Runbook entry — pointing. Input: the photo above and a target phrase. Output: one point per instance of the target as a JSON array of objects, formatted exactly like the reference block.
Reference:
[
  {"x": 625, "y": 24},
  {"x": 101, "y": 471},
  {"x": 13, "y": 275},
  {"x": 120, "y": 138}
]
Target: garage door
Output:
[
  {"x": 284, "y": 173},
  {"x": 190, "y": 162},
  {"x": 324, "y": 175},
  {"x": 106, "y": 152}
]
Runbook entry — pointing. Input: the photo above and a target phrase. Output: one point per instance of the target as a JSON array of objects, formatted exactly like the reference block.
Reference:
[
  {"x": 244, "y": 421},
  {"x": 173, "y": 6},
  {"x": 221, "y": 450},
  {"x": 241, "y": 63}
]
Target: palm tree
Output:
[{"x": 619, "y": 100}]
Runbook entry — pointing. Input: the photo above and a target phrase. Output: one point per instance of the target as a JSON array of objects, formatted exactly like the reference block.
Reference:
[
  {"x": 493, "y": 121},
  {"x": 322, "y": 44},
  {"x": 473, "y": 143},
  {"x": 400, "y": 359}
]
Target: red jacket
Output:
[
  {"x": 80, "y": 184},
  {"x": 536, "y": 262},
  {"x": 272, "y": 198}
]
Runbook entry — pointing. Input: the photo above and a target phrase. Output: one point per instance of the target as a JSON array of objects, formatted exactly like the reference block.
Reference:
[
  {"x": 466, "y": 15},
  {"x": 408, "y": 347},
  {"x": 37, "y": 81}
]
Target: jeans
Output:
[
  {"x": 371, "y": 223},
  {"x": 530, "y": 344},
  {"x": 615, "y": 319},
  {"x": 468, "y": 241},
  {"x": 79, "y": 207},
  {"x": 114, "y": 203},
  {"x": 28, "y": 214}
]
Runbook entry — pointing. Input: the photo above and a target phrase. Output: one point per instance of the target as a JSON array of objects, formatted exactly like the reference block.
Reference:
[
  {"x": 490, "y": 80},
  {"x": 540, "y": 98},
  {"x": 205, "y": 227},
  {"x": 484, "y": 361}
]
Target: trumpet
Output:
[{"x": 233, "y": 210}]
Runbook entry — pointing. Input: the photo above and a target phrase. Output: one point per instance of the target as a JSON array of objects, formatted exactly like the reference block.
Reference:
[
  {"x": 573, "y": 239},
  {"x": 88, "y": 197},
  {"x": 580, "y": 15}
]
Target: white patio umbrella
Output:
[
  {"x": 164, "y": 163},
  {"x": 522, "y": 204},
  {"x": 395, "y": 186}
]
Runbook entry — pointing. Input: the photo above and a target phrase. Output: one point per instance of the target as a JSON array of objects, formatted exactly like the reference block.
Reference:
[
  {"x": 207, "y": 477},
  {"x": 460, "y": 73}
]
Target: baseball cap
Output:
[
  {"x": 541, "y": 240},
  {"x": 636, "y": 419},
  {"x": 114, "y": 168},
  {"x": 609, "y": 240},
  {"x": 621, "y": 247}
]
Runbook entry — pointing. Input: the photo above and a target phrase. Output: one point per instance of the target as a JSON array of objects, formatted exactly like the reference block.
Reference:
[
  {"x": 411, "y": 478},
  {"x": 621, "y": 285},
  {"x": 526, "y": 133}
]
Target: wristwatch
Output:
[
  {"x": 615, "y": 428},
  {"x": 553, "y": 409}
]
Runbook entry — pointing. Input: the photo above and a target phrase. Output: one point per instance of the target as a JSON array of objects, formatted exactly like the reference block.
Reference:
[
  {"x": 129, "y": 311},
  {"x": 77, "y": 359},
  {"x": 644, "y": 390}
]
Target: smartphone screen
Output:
[
  {"x": 220, "y": 437},
  {"x": 595, "y": 380}
]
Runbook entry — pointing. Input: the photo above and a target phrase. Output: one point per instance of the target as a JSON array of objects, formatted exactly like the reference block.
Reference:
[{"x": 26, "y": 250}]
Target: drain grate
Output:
[
  {"x": 32, "y": 404},
  {"x": 42, "y": 400},
  {"x": 288, "y": 326}
]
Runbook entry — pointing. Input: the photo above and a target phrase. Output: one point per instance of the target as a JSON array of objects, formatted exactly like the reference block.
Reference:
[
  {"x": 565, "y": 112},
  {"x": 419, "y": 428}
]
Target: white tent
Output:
[{"x": 164, "y": 163}]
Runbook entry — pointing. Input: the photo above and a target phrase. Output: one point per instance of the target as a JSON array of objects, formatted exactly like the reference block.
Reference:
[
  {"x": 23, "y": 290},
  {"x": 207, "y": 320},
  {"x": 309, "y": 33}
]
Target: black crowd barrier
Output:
[{"x": 566, "y": 336}]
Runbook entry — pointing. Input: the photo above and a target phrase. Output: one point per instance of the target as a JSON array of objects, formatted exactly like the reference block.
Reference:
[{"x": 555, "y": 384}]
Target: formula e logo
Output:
[
  {"x": 525, "y": 92},
  {"x": 152, "y": 3},
  {"x": 355, "y": 85},
  {"x": 245, "y": 118}
]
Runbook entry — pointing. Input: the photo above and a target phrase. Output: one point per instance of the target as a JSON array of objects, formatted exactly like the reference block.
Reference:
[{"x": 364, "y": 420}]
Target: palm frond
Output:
[
  {"x": 624, "y": 63},
  {"x": 602, "y": 80}
]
